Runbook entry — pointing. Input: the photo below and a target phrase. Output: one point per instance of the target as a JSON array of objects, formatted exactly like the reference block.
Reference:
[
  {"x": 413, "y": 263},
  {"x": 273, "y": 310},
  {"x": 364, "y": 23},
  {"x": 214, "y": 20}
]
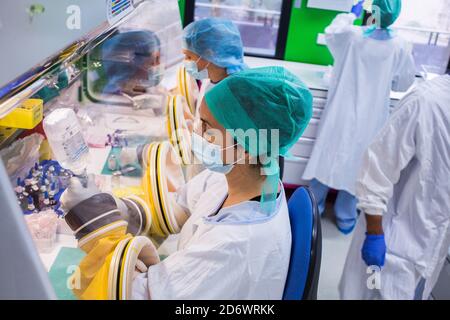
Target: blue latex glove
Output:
[
  {"x": 374, "y": 250},
  {"x": 357, "y": 8}
]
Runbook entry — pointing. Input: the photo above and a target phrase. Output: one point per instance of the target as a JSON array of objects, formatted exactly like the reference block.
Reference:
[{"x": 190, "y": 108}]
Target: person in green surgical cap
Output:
[
  {"x": 369, "y": 62},
  {"x": 387, "y": 11},
  {"x": 236, "y": 242}
]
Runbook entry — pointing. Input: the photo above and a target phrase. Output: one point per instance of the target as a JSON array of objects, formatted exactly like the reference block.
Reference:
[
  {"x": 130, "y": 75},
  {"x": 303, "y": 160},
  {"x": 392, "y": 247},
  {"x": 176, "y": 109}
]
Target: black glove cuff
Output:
[{"x": 92, "y": 214}]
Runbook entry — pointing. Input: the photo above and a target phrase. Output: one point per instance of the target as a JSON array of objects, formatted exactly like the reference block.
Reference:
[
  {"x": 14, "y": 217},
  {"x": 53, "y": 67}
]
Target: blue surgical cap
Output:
[
  {"x": 389, "y": 11},
  {"x": 216, "y": 40},
  {"x": 123, "y": 54}
]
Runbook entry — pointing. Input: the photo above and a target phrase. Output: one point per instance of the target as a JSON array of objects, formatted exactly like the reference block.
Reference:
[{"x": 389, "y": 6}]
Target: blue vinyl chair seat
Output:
[{"x": 304, "y": 267}]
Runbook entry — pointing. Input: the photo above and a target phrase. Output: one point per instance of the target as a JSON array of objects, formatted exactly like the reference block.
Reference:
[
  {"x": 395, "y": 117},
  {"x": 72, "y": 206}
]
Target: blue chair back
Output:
[{"x": 304, "y": 267}]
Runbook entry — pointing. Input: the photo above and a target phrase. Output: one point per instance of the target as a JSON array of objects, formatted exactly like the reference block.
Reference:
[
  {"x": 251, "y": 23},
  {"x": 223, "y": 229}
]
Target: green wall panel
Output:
[
  {"x": 304, "y": 27},
  {"x": 181, "y": 4}
]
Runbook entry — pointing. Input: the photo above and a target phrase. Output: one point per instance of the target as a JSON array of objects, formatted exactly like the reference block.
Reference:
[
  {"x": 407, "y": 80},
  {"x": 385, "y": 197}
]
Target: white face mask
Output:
[{"x": 210, "y": 154}]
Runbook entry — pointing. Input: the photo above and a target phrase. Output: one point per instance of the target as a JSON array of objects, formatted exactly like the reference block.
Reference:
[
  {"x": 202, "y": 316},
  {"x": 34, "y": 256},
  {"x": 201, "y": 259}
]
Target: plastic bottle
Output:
[{"x": 66, "y": 140}]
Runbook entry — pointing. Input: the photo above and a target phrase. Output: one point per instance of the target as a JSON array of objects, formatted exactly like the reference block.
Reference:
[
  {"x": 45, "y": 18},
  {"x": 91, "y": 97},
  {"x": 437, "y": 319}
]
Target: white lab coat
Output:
[
  {"x": 365, "y": 71},
  {"x": 237, "y": 254},
  {"x": 405, "y": 175}
]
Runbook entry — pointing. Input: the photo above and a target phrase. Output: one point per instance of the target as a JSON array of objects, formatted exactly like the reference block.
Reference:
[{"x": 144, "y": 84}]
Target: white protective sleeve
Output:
[
  {"x": 204, "y": 271},
  {"x": 386, "y": 157},
  {"x": 339, "y": 33}
]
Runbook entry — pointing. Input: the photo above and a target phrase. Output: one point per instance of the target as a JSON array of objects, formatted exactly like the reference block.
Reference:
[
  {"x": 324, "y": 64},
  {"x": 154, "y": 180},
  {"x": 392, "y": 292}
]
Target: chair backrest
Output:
[{"x": 306, "y": 251}]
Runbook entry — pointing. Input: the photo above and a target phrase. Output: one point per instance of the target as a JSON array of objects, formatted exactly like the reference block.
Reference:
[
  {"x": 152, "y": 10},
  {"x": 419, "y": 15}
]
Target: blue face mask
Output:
[
  {"x": 210, "y": 155},
  {"x": 192, "y": 69}
]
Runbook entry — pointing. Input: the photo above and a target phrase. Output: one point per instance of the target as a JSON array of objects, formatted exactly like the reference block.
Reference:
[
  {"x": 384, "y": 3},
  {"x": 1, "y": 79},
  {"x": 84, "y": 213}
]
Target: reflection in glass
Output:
[
  {"x": 128, "y": 62},
  {"x": 257, "y": 20}
]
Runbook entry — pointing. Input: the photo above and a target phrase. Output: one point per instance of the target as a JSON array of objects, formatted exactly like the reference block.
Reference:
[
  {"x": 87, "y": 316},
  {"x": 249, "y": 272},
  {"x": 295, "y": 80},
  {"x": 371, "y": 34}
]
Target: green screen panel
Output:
[
  {"x": 182, "y": 5},
  {"x": 304, "y": 27}
]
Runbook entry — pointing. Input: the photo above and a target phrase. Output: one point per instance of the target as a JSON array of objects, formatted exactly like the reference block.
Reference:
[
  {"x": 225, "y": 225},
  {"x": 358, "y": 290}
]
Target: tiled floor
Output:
[{"x": 334, "y": 251}]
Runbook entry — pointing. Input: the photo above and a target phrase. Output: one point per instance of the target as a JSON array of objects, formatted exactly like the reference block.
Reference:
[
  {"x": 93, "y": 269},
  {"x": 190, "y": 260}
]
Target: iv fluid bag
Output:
[{"x": 66, "y": 140}]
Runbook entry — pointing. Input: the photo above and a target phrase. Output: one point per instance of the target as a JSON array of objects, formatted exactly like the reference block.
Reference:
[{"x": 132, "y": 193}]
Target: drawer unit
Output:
[
  {"x": 317, "y": 113},
  {"x": 319, "y": 93},
  {"x": 393, "y": 103},
  {"x": 293, "y": 170},
  {"x": 319, "y": 103},
  {"x": 303, "y": 148},
  {"x": 312, "y": 129}
]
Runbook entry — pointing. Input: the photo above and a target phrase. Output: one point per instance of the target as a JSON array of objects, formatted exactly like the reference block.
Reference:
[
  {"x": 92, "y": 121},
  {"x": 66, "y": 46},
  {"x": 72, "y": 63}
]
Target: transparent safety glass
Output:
[{"x": 258, "y": 21}]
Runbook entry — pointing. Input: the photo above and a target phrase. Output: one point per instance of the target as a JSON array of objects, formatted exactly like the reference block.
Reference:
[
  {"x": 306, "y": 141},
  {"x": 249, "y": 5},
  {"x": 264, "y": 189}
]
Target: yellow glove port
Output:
[{"x": 94, "y": 268}]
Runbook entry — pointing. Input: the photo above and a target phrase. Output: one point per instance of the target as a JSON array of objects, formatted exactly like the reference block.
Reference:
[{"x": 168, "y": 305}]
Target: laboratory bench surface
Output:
[
  {"x": 98, "y": 158},
  {"x": 335, "y": 245},
  {"x": 316, "y": 77}
]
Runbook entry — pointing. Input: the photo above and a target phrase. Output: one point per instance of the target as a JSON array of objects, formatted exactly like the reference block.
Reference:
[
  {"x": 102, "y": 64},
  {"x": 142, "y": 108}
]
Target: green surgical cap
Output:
[
  {"x": 262, "y": 98},
  {"x": 262, "y": 101},
  {"x": 389, "y": 11}
]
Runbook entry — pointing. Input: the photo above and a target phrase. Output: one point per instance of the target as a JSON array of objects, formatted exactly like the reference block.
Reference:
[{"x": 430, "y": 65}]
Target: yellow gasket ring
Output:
[
  {"x": 155, "y": 193},
  {"x": 167, "y": 221},
  {"x": 148, "y": 187}
]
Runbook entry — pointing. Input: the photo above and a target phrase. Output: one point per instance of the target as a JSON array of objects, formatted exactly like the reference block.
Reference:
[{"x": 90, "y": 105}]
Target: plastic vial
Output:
[
  {"x": 44, "y": 184},
  {"x": 27, "y": 184},
  {"x": 19, "y": 188},
  {"x": 66, "y": 140},
  {"x": 52, "y": 191},
  {"x": 22, "y": 201},
  {"x": 51, "y": 195},
  {"x": 46, "y": 200},
  {"x": 113, "y": 163},
  {"x": 34, "y": 186},
  {"x": 31, "y": 206}
]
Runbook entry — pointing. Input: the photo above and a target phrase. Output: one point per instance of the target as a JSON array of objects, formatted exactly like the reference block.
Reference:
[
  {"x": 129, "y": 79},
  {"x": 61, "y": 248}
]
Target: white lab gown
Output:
[
  {"x": 365, "y": 71},
  {"x": 405, "y": 175},
  {"x": 237, "y": 254}
]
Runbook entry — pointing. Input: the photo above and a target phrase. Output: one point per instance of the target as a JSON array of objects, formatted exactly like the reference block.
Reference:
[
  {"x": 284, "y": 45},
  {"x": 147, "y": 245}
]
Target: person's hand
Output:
[
  {"x": 358, "y": 8},
  {"x": 147, "y": 101},
  {"x": 76, "y": 193},
  {"x": 374, "y": 250}
]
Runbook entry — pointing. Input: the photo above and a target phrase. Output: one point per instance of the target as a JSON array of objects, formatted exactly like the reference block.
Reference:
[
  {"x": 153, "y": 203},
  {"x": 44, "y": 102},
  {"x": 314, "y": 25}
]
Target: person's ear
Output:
[
  {"x": 251, "y": 159},
  {"x": 202, "y": 64},
  {"x": 246, "y": 157}
]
